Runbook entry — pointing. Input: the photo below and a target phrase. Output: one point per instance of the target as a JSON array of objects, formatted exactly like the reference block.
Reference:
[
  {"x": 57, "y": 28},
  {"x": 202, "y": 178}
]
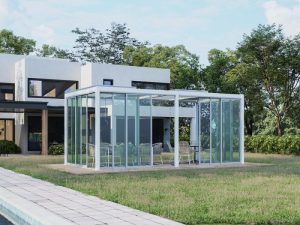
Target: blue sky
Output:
[{"x": 200, "y": 25}]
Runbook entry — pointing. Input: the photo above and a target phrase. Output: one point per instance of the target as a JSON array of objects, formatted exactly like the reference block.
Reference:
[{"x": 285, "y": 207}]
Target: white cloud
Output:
[
  {"x": 289, "y": 17},
  {"x": 43, "y": 33},
  {"x": 3, "y": 11}
]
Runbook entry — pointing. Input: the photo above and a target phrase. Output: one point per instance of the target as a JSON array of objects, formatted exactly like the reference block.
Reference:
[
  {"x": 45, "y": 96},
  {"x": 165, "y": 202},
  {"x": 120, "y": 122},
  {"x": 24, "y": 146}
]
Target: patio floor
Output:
[
  {"x": 33, "y": 201},
  {"x": 78, "y": 170}
]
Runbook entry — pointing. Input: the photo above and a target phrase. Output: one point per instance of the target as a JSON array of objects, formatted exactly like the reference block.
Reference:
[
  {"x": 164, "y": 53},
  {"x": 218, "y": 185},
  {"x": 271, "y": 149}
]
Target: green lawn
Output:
[{"x": 251, "y": 195}]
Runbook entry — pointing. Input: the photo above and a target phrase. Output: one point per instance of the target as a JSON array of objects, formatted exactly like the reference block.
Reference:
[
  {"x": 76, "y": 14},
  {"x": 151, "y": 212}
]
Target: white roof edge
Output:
[{"x": 112, "y": 89}]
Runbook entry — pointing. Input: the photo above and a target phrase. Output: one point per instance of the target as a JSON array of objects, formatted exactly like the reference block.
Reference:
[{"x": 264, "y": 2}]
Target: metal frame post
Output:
[
  {"x": 176, "y": 131},
  {"x": 242, "y": 157},
  {"x": 66, "y": 131},
  {"x": 97, "y": 129}
]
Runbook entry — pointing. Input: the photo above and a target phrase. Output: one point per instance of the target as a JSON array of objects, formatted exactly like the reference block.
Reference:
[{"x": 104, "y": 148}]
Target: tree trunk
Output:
[
  {"x": 279, "y": 126},
  {"x": 249, "y": 126}
]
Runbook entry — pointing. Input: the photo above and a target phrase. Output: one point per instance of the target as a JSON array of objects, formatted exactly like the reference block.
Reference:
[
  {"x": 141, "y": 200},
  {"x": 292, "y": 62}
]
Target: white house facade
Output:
[{"x": 32, "y": 94}]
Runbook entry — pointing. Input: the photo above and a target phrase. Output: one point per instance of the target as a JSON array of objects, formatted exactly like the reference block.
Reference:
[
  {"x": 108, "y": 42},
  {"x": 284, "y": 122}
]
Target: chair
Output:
[
  {"x": 91, "y": 154},
  {"x": 157, "y": 150},
  {"x": 105, "y": 153},
  {"x": 185, "y": 151},
  {"x": 145, "y": 153},
  {"x": 119, "y": 151}
]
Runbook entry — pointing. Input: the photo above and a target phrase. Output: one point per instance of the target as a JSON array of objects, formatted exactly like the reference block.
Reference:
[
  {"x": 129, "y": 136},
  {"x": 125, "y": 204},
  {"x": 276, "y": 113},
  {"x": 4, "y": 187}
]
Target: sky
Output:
[{"x": 200, "y": 25}]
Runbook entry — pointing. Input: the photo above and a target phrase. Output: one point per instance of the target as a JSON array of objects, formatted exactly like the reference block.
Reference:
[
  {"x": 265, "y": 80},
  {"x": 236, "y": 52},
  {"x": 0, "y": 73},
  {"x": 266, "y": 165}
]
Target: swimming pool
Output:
[{"x": 4, "y": 221}]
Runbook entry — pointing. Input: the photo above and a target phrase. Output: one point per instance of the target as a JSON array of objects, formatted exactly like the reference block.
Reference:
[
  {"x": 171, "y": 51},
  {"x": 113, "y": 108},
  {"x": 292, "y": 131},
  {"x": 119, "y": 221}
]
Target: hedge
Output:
[
  {"x": 9, "y": 147},
  {"x": 287, "y": 144},
  {"x": 56, "y": 149}
]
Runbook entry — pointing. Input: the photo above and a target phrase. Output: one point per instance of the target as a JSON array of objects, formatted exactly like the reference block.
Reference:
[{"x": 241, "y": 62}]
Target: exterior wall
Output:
[
  {"x": 7, "y": 67},
  {"x": 18, "y": 68},
  {"x": 45, "y": 68}
]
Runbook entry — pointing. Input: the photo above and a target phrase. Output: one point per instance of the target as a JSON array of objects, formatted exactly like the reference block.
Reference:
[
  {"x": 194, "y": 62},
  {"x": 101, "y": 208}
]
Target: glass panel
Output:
[
  {"x": 119, "y": 131},
  {"x": 34, "y": 133},
  {"x": 77, "y": 130},
  {"x": 69, "y": 155},
  {"x": 50, "y": 88},
  {"x": 215, "y": 131},
  {"x": 204, "y": 126},
  {"x": 226, "y": 130},
  {"x": 145, "y": 121},
  {"x": 9, "y": 130},
  {"x": 163, "y": 150},
  {"x": 73, "y": 130},
  {"x": 236, "y": 130},
  {"x": 106, "y": 149},
  {"x": 91, "y": 130},
  {"x": 6, "y": 92},
  {"x": 132, "y": 129},
  {"x": 83, "y": 129},
  {"x": 2, "y": 130}
]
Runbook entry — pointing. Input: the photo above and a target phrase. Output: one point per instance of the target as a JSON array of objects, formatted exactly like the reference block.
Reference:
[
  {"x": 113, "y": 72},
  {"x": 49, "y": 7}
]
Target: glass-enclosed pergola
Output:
[{"x": 108, "y": 127}]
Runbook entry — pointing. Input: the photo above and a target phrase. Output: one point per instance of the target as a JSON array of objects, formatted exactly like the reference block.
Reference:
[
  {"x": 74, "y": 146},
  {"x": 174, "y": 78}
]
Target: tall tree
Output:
[
  {"x": 12, "y": 44},
  {"x": 93, "y": 45},
  {"x": 275, "y": 64},
  {"x": 220, "y": 63},
  {"x": 184, "y": 66}
]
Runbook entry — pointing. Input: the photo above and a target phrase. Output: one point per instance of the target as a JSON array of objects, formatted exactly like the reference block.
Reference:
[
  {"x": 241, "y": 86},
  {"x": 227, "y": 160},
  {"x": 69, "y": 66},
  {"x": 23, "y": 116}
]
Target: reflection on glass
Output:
[
  {"x": 204, "y": 109},
  {"x": 215, "y": 131},
  {"x": 50, "y": 88},
  {"x": 119, "y": 129}
]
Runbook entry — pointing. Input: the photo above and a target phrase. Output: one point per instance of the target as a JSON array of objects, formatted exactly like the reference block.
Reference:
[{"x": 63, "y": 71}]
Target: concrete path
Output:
[{"x": 32, "y": 201}]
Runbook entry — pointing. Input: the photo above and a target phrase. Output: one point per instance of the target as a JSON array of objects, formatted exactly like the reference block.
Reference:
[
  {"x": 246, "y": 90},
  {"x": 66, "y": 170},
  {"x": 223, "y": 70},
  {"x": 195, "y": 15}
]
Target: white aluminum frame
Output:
[{"x": 177, "y": 94}]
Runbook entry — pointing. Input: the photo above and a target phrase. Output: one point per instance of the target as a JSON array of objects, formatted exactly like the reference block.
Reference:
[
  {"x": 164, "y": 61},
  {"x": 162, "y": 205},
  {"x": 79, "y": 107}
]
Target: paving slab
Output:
[{"x": 26, "y": 200}]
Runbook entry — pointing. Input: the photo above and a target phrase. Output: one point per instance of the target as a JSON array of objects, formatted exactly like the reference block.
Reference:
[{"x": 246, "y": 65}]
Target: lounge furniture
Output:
[
  {"x": 185, "y": 151},
  {"x": 157, "y": 150}
]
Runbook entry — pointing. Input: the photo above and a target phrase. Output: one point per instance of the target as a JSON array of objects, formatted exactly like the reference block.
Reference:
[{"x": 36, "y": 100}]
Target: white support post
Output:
[
  {"x": 66, "y": 131},
  {"x": 221, "y": 130},
  {"x": 151, "y": 127},
  {"x": 176, "y": 132},
  {"x": 242, "y": 158},
  {"x": 210, "y": 130},
  {"x": 97, "y": 129}
]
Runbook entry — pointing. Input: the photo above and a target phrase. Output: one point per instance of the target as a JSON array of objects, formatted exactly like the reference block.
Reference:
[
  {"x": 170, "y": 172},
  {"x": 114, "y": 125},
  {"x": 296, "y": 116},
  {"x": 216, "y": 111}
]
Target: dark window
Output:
[
  {"x": 40, "y": 88},
  {"x": 7, "y": 92},
  {"x": 108, "y": 82},
  {"x": 150, "y": 85},
  {"x": 55, "y": 132},
  {"x": 7, "y": 129}
]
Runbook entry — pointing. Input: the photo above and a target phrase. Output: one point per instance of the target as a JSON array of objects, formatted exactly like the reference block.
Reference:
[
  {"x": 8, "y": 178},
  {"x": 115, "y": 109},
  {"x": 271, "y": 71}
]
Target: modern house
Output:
[
  {"x": 32, "y": 91},
  {"x": 113, "y": 115}
]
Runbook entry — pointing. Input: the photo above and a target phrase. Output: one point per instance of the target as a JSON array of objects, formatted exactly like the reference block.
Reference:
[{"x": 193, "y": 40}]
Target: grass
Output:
[{"x": 249, "y": 195}]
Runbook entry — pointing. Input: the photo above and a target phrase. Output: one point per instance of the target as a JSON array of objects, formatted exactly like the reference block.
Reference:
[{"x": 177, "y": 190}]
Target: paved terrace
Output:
[{"x": 33, "y": 201}]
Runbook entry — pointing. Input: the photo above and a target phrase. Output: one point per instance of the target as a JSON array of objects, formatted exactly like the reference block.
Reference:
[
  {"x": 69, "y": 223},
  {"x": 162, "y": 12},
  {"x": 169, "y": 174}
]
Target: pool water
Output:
[{"x": 4, "y": 221}]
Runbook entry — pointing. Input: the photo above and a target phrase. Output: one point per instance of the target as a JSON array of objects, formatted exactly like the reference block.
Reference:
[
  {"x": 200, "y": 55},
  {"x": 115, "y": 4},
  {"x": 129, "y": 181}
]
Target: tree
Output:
[
  {"x": 93, "y": 45},
  {"x": 184, "y": 66},
  {"x": 51, "y": 51},
  {"x": 221, "y": 62},
  {"x": 275, "y": 63},
  {"x": 12, "y": 44}
]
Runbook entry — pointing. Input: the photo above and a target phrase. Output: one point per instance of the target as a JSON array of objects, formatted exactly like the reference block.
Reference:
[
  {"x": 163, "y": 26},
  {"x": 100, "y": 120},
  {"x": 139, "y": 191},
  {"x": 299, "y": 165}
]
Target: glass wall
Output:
[
  {"x": 126, "y": 129},
  {"x": 81, "y": 130}
]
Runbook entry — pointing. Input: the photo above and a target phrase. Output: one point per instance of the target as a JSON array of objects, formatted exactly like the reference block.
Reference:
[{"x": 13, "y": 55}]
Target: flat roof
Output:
[{"x": 171, "y": 93}]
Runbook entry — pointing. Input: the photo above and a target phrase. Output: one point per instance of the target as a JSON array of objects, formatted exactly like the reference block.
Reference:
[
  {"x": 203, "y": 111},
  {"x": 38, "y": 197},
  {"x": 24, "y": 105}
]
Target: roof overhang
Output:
[{"x": 22, "y": 106}]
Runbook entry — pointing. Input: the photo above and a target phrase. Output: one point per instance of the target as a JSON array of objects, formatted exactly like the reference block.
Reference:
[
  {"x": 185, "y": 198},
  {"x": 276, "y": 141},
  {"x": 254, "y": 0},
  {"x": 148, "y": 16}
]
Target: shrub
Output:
[
  {"x": 287, "y": 144},
  {"x": 56, "y": 149},
  {"x": 9, "y": 147}
]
